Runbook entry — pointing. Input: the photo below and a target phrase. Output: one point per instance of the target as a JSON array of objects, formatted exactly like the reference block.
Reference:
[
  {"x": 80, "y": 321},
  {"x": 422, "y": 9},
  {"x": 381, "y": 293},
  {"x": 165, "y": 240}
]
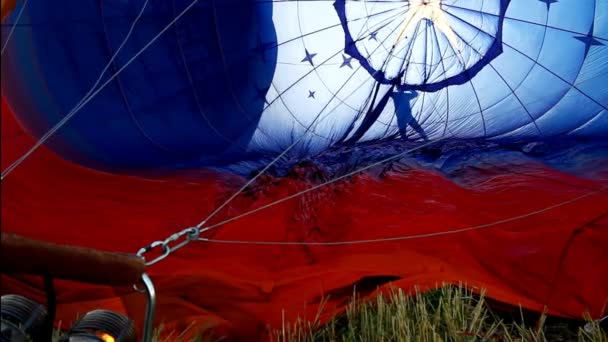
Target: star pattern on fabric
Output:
[
  {"x": 311, "y": 94},
  {"x": 346, "y": 61},
  {"x": 373, "y": 36},
  {"x": 309, "y": 57},
  {"x": 589, "y": 40}
]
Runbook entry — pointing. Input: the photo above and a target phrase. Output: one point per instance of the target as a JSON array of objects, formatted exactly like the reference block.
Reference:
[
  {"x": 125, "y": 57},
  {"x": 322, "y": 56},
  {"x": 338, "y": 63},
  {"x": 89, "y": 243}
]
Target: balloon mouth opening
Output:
[{"x": 426, "y": 45}]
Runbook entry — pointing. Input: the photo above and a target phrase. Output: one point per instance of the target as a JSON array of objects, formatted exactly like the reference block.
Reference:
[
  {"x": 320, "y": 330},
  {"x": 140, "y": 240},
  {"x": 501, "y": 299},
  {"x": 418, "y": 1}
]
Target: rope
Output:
[
  {"x": 109, "y": 64},
  {"x": 78, "y": 107},
  {"x": 278, "y": 157},
  {"x": 10, "y": 34},
  {"x": 187, "y": 235},
  {"x": 193, "y": 234},
  {"x": 405, "y": 237},
  {"x": 297, "y": 194}
]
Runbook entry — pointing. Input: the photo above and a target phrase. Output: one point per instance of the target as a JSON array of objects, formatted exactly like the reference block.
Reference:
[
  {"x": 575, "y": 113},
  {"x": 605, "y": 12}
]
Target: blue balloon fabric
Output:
[{"x": 210, "y": 83}]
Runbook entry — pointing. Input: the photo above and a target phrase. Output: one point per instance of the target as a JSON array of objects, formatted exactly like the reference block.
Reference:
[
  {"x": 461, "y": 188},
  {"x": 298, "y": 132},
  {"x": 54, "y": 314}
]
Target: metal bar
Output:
[
  {"x": 150, "y": 307},
  {"x": 51, "y": 307},
  {"x": 20, "y": 255}
]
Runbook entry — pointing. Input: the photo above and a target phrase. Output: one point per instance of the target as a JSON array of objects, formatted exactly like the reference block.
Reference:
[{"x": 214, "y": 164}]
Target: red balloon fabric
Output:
[{"x": 527, "y": 233}]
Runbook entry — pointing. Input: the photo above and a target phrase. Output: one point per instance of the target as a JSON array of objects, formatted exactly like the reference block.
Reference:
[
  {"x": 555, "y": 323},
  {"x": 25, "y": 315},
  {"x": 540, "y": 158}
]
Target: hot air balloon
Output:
[{"x": 316, "y": 143}]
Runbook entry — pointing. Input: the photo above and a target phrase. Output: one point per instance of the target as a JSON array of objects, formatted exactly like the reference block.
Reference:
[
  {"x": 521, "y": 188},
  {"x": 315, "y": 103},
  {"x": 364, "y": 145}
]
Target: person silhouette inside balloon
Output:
[{"x": 403, "y": 112}]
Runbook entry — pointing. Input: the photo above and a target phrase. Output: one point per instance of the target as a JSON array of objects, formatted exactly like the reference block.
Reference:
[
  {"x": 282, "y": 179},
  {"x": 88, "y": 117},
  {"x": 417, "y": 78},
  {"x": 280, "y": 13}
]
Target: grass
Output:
[
  {"x": 446, "y": 314},
  {"x": 449, "y": 313}
]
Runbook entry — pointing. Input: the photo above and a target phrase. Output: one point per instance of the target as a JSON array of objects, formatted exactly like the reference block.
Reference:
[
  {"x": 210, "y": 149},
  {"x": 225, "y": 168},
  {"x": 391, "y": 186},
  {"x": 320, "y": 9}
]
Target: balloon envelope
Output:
[
  {"x": 232, "y": 81},
  {"x": 510, "y": 195}
]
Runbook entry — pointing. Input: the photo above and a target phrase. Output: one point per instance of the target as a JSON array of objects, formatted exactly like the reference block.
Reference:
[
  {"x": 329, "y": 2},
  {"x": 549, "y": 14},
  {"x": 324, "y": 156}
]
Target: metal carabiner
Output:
[
  {"x": 165, "y": 248},
  {"x": 190, "y": 234}
]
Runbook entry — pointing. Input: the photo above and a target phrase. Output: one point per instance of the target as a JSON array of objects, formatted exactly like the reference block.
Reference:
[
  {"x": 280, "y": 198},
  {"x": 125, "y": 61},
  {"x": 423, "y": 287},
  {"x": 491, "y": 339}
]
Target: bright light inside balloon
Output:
[{"x": 428, "y": 10}]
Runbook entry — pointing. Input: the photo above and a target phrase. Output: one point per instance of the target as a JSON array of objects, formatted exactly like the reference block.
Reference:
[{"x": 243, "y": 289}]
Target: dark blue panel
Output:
[{"x": 188, "y": 97}]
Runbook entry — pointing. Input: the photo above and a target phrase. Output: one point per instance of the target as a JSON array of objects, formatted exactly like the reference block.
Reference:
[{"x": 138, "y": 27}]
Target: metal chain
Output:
[{"x": 167, "y": 245}]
